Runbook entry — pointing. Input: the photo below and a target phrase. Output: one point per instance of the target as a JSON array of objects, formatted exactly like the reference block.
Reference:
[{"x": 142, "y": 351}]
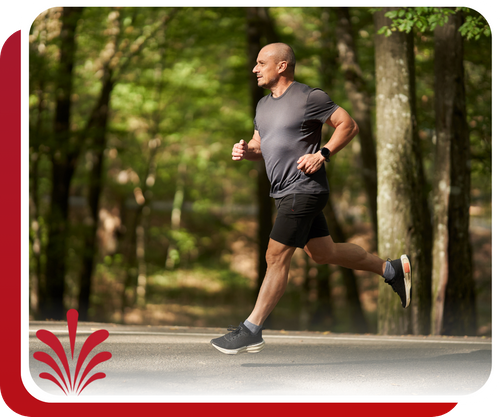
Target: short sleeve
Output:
[{"x": 319, "y": 106}]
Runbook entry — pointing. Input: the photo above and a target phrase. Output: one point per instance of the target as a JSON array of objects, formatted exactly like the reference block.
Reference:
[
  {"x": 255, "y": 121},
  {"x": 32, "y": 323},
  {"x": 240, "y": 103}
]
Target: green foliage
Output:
[
  {"x": 475, "y": 27},
  {"x": 181, "y": 98},
  {"x": 428, "y": 18}
]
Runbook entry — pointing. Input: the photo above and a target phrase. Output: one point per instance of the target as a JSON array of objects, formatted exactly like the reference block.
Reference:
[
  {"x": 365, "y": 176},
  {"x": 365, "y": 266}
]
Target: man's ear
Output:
[{"x": 282, "y": 66}]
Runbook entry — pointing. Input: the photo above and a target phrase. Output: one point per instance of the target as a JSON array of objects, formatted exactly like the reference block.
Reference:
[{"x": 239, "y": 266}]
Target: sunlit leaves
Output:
[
  {"x": 475, "y": 27},
  {"x": 428, "y": 18}
]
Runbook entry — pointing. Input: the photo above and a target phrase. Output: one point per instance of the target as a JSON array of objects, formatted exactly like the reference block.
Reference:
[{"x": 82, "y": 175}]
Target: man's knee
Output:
[
  {"x": 278, "y": 254},
  {"x": 321, "y": 254},
  {"x": 274, "y": 258},
  {"x": 320, "y": 259}
]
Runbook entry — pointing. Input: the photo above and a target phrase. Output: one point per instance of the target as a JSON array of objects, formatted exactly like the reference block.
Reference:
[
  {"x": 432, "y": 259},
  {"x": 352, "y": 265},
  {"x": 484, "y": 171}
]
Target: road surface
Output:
[{"x": 179, "y": 361}]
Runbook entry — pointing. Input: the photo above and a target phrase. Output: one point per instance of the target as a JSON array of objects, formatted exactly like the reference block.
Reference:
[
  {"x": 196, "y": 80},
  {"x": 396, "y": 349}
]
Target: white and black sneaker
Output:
[
  {"x": 401, "y": 283},
  {"x": 239, "y": 340}
]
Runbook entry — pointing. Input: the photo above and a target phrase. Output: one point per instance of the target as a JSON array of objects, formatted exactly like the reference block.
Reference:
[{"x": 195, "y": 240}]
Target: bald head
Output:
[
  {"x": 275, "y": 67},
  {"x": 281, "y": 52}
]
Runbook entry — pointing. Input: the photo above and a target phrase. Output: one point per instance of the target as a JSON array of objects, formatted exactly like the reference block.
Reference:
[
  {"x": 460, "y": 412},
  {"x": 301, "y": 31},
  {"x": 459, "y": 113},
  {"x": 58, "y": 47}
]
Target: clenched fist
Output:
[
  {"x": 239, "y": 150},
  {"x": 310, "y": 163}
]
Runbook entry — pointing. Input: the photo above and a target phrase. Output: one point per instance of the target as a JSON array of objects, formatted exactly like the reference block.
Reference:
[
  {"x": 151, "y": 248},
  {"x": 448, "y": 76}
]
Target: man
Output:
[{"x": 287, "y": 136}]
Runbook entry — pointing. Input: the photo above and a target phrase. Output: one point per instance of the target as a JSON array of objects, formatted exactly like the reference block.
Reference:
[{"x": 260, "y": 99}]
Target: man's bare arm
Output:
[
  {"x": 249, "y": 151},
  {"x": 345, "y": 130}
]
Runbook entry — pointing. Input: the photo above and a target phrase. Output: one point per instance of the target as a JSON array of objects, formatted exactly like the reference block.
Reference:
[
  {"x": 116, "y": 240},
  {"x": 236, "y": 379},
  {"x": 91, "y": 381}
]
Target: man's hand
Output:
[
  {"x": 239, "y": 150},
  {"x": 310, "y": 163}
]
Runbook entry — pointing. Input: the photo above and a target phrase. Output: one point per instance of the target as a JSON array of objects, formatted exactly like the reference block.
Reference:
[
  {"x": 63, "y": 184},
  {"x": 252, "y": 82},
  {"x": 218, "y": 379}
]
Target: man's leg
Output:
[
  {"x": 247, "y": 337},
  {"x": 396, "y": 273},
  {"x": 278, "y": 258},
  {"x": 323, "y": 250}
]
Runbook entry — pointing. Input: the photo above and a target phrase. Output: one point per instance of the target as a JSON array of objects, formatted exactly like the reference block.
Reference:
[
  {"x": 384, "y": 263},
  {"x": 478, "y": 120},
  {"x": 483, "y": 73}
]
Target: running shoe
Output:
[
  {"x": 239, "y": 340},
  {"x": 401, "y": 283}
]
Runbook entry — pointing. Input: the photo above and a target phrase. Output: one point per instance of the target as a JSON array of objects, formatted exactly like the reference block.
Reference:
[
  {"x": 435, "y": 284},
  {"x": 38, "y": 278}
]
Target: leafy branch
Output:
[{"x": 427, "y": 18}]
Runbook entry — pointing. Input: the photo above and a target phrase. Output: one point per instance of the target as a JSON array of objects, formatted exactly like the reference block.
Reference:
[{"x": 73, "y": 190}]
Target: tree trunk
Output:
[
  {"x": 150, "y": 177},
  {"x": 356, "y": 314},
  {"x": 129, "y": 245},
  {"x": 360, "y": 99},
  {"x": 96, "y": 129},
  {"x": 63, "y": 167},
  {"x": 260, "y": 30},
  {"x": 36, "y": 240},
  {"x": 322, "y": 310},
  {"x": 173, "y": 256},
  {"x": 328, "y": 64},
  {"x": 453, "y": 286},
  {"x": 403, "y": 218}
]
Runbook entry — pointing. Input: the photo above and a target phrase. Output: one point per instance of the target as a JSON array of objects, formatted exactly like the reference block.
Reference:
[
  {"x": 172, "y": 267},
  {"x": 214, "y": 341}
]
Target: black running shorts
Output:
[{"x": 300, "y": 218}]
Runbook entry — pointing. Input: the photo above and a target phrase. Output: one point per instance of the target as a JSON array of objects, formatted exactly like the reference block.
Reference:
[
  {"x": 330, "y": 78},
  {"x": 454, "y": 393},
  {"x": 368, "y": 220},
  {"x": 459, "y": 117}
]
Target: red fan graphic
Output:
[{"x": 67, "y": 384}]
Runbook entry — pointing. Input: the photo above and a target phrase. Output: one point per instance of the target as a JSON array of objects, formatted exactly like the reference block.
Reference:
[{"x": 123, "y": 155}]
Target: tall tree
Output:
[
  {"x": 360, "y": 99},
  {"x": 329, "y": 67},
  {"x": 358, "y": 320},
  {"x": 403, "y": 218},
  {"x": 453, "y": 309},
  {"x": 64, "y": 154},
  {"x": 95, "y": 131},
  {"x": 260, "y": 31},
  {"x": 453, "y": 286}
]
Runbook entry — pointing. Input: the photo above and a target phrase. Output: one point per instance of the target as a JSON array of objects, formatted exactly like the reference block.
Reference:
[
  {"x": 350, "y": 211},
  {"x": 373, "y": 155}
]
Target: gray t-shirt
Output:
[{"x": 289, "y": 127}]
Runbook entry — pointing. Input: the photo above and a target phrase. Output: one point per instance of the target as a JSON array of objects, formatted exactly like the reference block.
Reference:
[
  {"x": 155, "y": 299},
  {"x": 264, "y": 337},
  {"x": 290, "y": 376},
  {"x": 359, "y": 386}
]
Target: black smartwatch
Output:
[{"x": 325, "y": 153}]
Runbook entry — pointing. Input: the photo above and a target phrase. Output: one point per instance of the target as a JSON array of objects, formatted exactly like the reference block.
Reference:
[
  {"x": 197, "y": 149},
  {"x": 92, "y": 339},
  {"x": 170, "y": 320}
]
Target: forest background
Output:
[{"x": 139, "y": 215}]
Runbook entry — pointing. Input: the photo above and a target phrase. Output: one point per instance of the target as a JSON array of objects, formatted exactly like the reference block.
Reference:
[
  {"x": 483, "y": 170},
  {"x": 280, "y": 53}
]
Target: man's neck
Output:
[{"x": 281, "y": 87}]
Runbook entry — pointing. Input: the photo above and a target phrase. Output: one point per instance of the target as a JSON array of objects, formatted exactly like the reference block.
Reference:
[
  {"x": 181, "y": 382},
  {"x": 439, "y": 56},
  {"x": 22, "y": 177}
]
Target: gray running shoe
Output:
[
  {"x": 401, "y": 283},
  {"x": 239, "y": 340}
]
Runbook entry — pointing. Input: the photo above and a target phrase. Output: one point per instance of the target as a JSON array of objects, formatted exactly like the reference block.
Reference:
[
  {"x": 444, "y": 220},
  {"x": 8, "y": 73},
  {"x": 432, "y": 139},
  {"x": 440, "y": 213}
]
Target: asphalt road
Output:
[{"x": 180, "y": 362}]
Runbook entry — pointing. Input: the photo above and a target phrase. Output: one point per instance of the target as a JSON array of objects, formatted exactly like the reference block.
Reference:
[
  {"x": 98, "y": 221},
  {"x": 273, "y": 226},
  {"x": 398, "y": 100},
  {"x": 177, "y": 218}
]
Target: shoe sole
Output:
[
  {"x": 245, "y": 349},
  {"x": 407, "y": 271}
]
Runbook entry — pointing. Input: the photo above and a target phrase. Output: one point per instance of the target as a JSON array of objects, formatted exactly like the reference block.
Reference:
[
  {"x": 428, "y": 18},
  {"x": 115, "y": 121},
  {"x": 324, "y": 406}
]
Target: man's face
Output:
[{"x": 267, "y": 69}]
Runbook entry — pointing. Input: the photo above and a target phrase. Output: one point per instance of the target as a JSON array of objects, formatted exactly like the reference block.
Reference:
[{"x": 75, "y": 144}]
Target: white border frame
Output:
[{"x": 20, "y": 15}]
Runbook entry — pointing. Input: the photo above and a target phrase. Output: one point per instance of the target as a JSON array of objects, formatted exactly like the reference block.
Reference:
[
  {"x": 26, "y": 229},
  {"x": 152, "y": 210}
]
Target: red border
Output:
[{"x": 13, "y": 391}]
